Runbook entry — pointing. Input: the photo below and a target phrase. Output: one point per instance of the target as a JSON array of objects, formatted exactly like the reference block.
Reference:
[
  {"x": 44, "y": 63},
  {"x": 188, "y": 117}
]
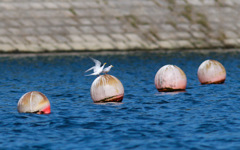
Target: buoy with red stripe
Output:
[{"x": 34, "y": 102}]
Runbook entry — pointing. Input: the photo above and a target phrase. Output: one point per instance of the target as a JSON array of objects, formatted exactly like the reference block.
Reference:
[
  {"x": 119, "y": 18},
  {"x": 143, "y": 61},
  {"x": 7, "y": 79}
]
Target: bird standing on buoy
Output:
[
  {"x": 211, "y": 72},
  {"x": 97, "y": 69},
  {"x": 105, "y": 88},
  {"x": 107, "y": 69},
  {"x": 34, "y": 102}
]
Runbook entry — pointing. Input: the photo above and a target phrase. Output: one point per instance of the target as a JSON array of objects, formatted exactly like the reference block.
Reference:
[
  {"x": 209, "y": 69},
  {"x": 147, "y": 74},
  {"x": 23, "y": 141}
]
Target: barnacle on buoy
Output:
[
  {"x": 107, "y": 88},
  {"x": 170, "y": 78},
  {"x": 211, "y": 72},
  {"x": 34, "y": 102}
]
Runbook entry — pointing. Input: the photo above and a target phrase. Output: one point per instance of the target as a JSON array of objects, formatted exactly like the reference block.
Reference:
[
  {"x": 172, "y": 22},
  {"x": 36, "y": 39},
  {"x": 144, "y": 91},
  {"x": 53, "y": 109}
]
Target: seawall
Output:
[{"x": 85, "y": 25}]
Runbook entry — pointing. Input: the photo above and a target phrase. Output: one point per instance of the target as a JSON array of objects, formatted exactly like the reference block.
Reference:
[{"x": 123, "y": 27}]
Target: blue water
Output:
[{"x": 203, "y": 117}]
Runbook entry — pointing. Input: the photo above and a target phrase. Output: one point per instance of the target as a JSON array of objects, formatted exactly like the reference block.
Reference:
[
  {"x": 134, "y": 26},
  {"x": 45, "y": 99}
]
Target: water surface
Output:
[{"x": 203, "y": 117}]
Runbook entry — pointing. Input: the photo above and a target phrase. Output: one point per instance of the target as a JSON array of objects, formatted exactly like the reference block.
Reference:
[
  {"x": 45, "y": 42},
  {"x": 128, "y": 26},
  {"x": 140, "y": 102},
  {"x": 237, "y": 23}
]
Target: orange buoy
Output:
[
  {"x": 107, "y": 88},
  {"x": 170, "y": 78},
  {"x": 34, "y": 102},
  {"x": 211, "y": 72}
]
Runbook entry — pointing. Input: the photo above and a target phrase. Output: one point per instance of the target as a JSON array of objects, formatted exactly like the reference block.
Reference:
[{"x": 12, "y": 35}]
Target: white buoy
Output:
[
  {"x": 211, "y": 72},
  {"x": 107, "y": 88},
  {"x": 170, "y": 78},
  {"x": 34, "y": 102}
]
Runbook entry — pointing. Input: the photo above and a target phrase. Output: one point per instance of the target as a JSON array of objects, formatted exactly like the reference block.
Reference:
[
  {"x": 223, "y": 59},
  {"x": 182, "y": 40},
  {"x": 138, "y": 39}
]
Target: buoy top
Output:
[
  {"x": 169, "y": 70},
  {"x": 106, "y": 79},
  {"x": 34, "y": 102},
  {"x": 207, "y": 65}
]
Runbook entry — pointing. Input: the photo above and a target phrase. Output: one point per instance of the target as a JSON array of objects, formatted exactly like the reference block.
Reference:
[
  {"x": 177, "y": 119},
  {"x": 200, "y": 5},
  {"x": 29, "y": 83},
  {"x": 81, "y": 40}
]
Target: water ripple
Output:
[{"x": 202, "y": 117}]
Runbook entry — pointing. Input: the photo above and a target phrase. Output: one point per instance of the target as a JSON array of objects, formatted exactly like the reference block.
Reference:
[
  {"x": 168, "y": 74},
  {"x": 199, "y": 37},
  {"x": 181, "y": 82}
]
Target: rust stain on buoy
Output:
[
  {"x": 117, "y": 98},
  {"x": 107, "y": 79}
]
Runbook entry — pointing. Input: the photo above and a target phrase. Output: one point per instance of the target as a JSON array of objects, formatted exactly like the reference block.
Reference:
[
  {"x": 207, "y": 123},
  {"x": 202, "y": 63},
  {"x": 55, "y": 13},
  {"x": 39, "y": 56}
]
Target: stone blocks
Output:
[{"x": 78, "y": 25}]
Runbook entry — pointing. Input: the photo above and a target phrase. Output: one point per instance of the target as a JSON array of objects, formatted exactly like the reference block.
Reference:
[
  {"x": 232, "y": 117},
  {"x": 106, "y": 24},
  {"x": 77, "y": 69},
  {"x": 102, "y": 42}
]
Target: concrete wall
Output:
[{"x": 78, "y": 25}]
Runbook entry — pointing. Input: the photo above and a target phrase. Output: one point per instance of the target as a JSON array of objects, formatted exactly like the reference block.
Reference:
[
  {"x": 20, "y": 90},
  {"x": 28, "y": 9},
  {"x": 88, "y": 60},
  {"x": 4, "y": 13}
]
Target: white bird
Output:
[
  {"x": 97, "y": 69},
  {"x": 106, "y": 70}
]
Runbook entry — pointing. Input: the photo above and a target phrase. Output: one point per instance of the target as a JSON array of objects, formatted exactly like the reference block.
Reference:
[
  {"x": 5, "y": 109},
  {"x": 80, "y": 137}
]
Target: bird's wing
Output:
[
  {"x": 92, "y": 74},
  {"x": 97, "y": 62},
  {"x": 90, "y": 69}
]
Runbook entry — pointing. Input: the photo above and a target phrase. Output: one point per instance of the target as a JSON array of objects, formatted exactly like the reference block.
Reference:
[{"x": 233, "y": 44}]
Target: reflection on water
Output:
[
  {"x": 202, "y": 117},
  {"x": 169, "y": 93},
  {"x": 110, "y": 103}
]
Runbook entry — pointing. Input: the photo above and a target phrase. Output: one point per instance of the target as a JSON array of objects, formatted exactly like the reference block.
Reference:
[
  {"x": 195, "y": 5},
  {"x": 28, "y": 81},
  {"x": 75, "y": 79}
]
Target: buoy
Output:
[
  {"x": 211, "y": 72},
  {"x": 107, "y": 88},
  {"x": 34, "y": 102},
  {"x": 170, "y": 78}
]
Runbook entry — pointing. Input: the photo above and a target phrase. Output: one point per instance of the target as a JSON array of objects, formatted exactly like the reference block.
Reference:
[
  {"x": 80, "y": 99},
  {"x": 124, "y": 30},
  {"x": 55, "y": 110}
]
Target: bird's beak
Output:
[
  {"x": 105, "y": 63},
  {"x": 112, "y": 66}
]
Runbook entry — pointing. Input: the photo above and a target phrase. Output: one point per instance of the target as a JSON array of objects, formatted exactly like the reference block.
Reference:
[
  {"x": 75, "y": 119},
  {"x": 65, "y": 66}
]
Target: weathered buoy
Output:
[
  {"x": 211, "y": 72},
  {"x": 107, "y": 88},
  {"x": 170, "y": 78},
  {"x": 34, "y": 102}
]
